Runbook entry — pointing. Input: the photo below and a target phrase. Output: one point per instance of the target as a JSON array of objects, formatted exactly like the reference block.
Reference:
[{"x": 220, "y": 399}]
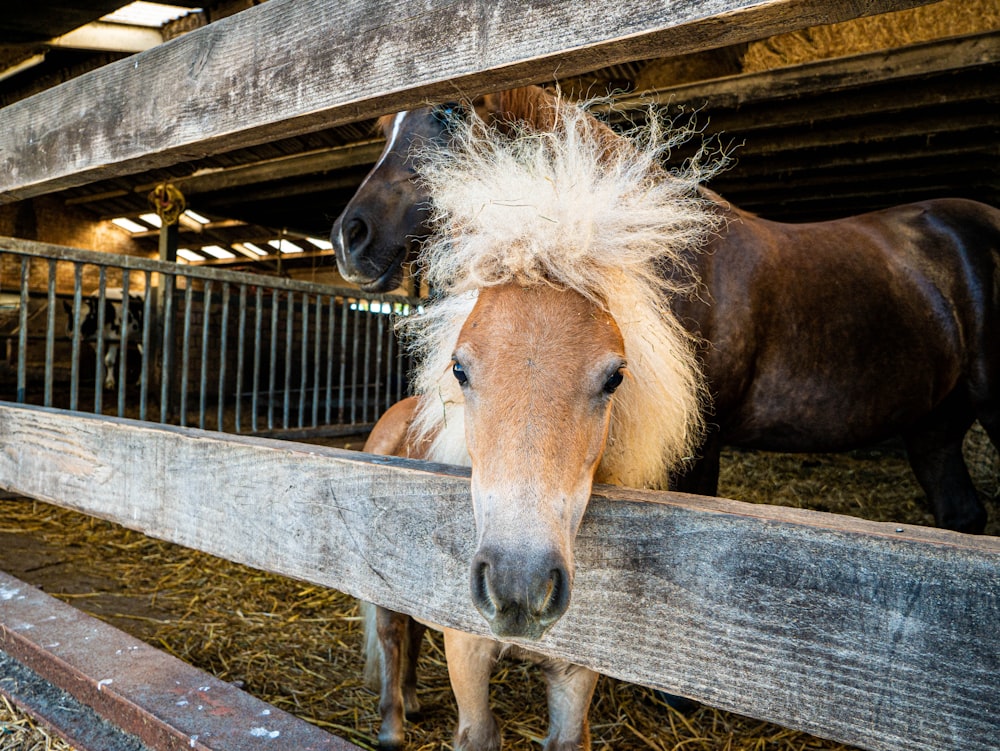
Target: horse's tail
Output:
[{"x": 373, "y": 650}]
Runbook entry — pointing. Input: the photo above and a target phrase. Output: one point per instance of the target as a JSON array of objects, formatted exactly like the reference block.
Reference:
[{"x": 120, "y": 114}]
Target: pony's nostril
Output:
[{"x": 482, "y": 598}]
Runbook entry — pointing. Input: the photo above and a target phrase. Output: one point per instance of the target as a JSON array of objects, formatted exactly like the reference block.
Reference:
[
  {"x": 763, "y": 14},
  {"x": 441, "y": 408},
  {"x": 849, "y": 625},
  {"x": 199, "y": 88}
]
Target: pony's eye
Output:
[
  {"x": 614, "y": 381},
  {"x": 459, "y": 372}
]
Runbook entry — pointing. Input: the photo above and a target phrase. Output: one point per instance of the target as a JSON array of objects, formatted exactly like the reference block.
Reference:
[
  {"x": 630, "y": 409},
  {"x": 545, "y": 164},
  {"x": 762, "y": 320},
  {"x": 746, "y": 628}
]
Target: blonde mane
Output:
[{"x": 577, "y": 207}]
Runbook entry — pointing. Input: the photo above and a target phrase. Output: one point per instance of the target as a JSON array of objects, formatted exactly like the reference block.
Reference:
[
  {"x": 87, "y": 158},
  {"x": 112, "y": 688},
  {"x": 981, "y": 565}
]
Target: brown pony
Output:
[
  {"x": 814, "y": 337},
  {"x": 550, "y": 360}
]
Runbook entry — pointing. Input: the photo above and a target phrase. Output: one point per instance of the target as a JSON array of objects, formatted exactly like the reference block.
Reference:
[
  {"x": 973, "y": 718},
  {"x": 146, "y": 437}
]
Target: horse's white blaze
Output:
[{"x": 397, "y": 126}]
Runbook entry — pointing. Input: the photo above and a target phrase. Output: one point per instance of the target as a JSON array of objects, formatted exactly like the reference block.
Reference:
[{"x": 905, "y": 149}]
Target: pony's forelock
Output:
[{"x": 579, "y": 208}]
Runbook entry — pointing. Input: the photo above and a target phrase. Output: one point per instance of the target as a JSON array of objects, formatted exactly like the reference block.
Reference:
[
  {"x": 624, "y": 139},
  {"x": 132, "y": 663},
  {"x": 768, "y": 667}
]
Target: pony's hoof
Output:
[
  {"x": 479, "y": 739},
  {"x": 390, "y": 744}
]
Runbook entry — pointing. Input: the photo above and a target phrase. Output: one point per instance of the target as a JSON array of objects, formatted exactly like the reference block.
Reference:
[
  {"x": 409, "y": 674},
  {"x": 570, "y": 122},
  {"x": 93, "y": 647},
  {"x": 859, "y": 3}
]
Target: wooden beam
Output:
[
  {"x": 220, "y": 87},
  {"x": 280, "y": 168},
  {"x": 154, "y": 696},
  {"x": 824, "y": 77},
  {"x": 873, "y": 634}
]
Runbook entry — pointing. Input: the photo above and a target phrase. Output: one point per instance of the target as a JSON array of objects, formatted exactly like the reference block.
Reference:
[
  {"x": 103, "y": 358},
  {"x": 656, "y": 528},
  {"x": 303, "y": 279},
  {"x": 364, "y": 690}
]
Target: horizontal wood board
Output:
[
  {"x": 152, "y": 695},
  {"x": 872, "y": 634},
  {"x": 289, "y": 67}
]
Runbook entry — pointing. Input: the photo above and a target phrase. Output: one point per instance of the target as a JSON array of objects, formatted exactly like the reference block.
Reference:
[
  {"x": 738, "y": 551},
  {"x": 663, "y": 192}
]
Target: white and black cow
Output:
[{"x": 112, "y": 333}]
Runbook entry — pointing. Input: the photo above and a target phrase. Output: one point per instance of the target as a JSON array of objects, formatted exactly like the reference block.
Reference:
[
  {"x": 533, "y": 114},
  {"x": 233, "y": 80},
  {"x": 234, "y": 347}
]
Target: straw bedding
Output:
[{"x": 298, "y": 646}]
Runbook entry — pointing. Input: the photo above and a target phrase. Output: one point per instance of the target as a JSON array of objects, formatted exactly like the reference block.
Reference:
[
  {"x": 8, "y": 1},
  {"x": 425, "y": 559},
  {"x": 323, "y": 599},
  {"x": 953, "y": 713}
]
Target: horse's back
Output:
[{"x": 832, "y": 334}]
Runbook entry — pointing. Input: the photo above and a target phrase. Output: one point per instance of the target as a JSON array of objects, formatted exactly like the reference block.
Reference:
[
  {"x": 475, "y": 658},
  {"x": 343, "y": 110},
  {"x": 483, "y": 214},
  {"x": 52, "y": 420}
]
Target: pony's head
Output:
[{"x": 552, "y": 357}]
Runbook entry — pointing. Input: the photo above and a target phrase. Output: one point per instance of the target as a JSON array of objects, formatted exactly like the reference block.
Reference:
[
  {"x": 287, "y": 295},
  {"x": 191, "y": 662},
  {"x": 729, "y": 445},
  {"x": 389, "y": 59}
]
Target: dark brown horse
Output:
[{"x": 816, "y": 337}]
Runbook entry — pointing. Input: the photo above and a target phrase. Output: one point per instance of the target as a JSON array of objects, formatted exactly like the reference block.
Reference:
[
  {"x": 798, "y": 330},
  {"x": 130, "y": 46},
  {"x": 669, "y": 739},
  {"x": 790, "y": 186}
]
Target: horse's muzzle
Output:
[{"x": 518, "y": 596}]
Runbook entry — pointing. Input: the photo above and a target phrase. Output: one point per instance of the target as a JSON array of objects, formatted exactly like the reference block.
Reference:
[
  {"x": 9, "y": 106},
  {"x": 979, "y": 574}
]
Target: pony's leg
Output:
[
  {"x": 570, "y": 689},
  {"x": 393, "y": 632},
  {"x": 410, "y": 654},
  {"x": 934, "y": 449},
  {"x": 470, "y": 662},
  {"x": 414, "y": 638}
]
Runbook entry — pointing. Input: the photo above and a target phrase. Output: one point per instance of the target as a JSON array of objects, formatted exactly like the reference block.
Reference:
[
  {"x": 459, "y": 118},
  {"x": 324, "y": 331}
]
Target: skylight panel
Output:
[{"x": 153, "y": 15}]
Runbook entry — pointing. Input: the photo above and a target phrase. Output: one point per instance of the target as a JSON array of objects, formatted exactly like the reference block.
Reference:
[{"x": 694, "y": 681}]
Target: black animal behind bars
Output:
[{"x": 115, "y": 315}]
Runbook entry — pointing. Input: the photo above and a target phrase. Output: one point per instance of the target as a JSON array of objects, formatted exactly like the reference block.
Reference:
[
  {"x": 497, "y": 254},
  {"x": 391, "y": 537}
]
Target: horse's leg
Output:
[
  {"x": 470, "y": 662},
  {"x": 570, "y": 689},
  {"x": 934, "y": 448},
  {"x": 393, "y": 630},
  {"x": 702, "y": 476}
]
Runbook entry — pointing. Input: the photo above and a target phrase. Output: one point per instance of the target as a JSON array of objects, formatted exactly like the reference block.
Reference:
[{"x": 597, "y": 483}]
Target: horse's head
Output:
[
  {"x": 386, "y": 219},
  {"x": 550, "y": 258}
]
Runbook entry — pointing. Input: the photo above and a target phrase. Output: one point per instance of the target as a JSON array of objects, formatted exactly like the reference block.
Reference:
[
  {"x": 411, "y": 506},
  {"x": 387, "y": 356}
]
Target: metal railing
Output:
[{"x": 215, "y": 349}]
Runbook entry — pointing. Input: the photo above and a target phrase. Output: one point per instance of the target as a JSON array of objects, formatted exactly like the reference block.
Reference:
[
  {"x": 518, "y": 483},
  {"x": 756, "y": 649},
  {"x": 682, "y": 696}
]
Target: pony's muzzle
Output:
[{"x": 519, "y": 597}]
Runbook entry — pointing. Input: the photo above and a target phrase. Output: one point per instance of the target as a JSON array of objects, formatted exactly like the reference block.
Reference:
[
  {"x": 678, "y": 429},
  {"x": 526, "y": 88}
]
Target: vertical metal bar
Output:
[
  {"x": 402, "y": 365},
  {"x": 186, "y": 346},
  {"x": 354, "y": 362},
  {"x": 286, "y": 403},
  {"x": 366, "y": 378},
  {"x": 22, "y": 333},
  {"x": 257, "y": 326},
  {"x": 304, "y": 360},
  {"x": 145, "y": 352},
  {"x": 123, "y": 342},
  {"x": 223, "y": 354},
  {"x": 275, "y": 302},
  {"x": 166, "y": 355},
  {"x": 391, "y": 375},
  {"x": 50, "y": 333},
  {"x": 240, "y": 354},
  {"x": 344, "y": 311},
  {"x": 206, "y": 317},
  {"x": 329, "y": 358},
  {"x": 101, "y": 304},
  {"x": 317, "y": 354},
  {"x": 379, "y": 336},
  {"x": 74, "y": 368}
]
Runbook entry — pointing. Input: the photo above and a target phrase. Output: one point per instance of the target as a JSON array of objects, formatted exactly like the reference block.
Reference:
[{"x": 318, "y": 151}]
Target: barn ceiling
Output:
[{"x": 810, "y": 141}]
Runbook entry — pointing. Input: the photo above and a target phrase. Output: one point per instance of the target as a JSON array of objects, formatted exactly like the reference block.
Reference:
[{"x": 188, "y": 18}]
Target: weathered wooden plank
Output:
[
  {"x": 288, "y": 67},
  {"x": 152, "y": 695},
  {"x": 868, "y": 633}
]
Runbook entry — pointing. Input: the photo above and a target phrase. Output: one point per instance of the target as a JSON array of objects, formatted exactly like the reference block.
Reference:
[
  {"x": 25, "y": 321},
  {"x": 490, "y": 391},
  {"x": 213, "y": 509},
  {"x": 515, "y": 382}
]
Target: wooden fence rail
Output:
[
  {"x": 220, "y": 88},
  {"x": 868, "y": 633}
]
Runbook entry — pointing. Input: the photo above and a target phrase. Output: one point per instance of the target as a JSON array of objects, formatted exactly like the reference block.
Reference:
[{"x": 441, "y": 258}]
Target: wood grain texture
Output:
[
  {"x": 872, "y": 634},
  {"x": 288, "y": 67}
]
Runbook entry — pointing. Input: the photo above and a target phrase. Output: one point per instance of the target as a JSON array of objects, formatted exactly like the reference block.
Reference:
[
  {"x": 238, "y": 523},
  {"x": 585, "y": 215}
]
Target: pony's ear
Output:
[
  {"x": 529, "y": 106},
  {"x": 537, "y": 109},
  {"x": 486, "y": 107}
]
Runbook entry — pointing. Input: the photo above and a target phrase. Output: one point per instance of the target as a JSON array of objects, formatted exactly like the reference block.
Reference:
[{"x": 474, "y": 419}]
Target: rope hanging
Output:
[{"x": 168, "y": 203}]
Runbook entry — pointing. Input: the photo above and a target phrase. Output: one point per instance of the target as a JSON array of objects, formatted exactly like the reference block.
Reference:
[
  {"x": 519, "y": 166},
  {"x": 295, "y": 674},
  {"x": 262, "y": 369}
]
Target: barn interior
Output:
[{"x": 825, "y": 122}]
